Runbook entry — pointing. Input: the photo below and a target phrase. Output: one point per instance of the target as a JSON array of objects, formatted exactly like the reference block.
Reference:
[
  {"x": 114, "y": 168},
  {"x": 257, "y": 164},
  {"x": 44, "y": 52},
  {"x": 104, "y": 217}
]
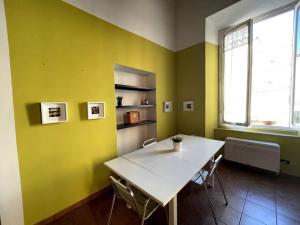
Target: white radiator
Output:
[{"x": 264, "y": 155}]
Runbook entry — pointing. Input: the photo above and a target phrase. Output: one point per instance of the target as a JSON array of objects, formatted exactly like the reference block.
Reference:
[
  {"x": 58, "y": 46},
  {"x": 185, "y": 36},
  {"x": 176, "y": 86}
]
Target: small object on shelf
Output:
[
  {"x": 95, "y": 110},
  {"x": 188, "y": 106},
  {"x": 133, "y": 117},
  {"x": 146, "y": 101},
  {"x": 119, "y": 100},
  {"x": 177, "y": 143},
  {"x": 167, "y": 106},
  {"x": 54, "y": 112}
]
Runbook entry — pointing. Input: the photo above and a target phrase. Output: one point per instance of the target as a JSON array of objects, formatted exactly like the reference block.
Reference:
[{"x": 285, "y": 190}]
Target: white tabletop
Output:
[{"x": 159, "y": 171}]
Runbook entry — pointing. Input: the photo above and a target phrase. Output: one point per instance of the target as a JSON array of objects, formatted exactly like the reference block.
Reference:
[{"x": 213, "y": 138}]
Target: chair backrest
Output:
[
  {"x": 123, "y": 192},
  {"x": 213, "y": 165},
  {"x": 149, "y": 142}
]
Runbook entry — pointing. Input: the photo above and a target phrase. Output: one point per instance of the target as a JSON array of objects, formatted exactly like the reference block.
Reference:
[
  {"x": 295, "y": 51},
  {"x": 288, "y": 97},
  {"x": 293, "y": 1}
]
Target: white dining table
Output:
[{"x": 160, "y": 172}]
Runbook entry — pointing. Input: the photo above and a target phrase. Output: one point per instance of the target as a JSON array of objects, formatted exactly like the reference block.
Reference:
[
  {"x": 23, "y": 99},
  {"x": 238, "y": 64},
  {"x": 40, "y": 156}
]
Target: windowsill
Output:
[{"x": 274, "y": 132}]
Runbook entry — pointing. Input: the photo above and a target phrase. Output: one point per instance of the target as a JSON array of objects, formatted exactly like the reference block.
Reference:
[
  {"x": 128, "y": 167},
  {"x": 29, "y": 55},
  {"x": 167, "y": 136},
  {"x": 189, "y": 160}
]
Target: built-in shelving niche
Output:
[{"x": 135, "y": 86}]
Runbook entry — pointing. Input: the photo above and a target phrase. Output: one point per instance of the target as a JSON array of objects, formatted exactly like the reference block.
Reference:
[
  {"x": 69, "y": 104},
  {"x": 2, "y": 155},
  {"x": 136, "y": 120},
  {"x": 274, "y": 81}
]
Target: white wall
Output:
[
  {"x": 11, "y": 208},
  {"x": 151, "y": 19},
  {"x": 237, "y": 13},
  {"x": 173, "y": 24},
  {"x": 190, "y": 20}
]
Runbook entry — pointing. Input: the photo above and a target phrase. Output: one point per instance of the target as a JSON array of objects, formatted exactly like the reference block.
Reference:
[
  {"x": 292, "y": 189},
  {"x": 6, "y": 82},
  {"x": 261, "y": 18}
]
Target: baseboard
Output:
[{"x": 65, "y": 211}]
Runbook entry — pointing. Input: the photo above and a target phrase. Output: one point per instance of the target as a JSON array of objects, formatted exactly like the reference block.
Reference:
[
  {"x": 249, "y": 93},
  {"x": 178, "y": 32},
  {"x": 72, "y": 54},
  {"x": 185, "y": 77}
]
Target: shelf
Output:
[
  {"x": 144, "y": 122},
  {"x": 132, "y": 88},
  {"x": 135, "y": 106}
]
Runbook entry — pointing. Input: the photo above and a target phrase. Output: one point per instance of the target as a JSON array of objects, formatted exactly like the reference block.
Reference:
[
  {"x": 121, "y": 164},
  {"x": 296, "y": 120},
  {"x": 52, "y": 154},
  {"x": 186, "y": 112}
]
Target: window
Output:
[
  {"x": 260, "y": 72},
  {"x": 236, "y": 46},
  {"x": 272, "y": 64},
  {"x": 296, "y": 102}
]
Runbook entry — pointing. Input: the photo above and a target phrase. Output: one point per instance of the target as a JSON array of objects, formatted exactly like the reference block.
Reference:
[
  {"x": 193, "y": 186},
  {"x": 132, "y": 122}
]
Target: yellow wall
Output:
[
  {"x": 190, "y": 75},
  {"x": 197, "y": 79},
  {"x": 211, "y": 89},
  {"x": 59, "y": 53}
]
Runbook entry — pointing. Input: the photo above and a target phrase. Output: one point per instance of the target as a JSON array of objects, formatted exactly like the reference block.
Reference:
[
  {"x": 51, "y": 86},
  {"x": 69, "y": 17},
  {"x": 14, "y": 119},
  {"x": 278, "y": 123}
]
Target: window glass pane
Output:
[
  {"x": 296, "y": 115},
  {"x": 272, "y": 70},
  {"x": 236, "y": 76}
]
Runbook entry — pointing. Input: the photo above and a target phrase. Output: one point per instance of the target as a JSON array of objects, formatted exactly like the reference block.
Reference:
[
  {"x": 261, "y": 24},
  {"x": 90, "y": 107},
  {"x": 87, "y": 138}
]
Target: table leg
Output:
[{"x": 173, "y": 211}]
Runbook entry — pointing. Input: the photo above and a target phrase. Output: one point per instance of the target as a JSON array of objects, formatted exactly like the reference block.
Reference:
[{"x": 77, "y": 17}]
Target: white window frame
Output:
[
  {"x": 297, "y": 7},
  {"x": 292, "y": 6},
  {"x": 222, "y": 35}
]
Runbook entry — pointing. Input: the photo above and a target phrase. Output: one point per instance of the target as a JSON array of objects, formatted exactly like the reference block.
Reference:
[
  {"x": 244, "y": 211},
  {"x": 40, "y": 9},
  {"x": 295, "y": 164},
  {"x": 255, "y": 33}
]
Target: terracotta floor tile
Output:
[
  {"x": 284, "y": 220},
  {"x": 83, "y": 215},
  {"x": 65, "y": 220},
  {"x": 288, "y": 210},
  {"x": 226, "y": 214},
  {"x": 246, "y": 220},
  {"x": 292, "y": 199},
  {"x": 261, "y": 198},
  {"x": 260, "y": 213}
]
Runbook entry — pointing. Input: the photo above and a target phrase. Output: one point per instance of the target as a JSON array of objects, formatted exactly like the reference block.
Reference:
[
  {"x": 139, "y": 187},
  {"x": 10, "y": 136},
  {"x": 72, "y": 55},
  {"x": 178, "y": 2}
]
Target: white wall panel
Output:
[
  {"x": 11, "y": 208},
  {"x": 151, "y": 19}
]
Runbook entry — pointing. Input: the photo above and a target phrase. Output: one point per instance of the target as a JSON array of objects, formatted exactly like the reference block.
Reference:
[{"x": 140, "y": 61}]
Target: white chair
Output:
[
  {"x": 143, "y": 205},
  {"x": 203, "y": 177}
]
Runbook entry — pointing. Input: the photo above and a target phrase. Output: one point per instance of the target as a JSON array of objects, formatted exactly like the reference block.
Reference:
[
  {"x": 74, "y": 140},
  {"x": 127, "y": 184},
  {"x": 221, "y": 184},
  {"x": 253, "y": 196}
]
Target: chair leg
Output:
[
  {"x": 143, "y": 219},
  {"x": 112, "y": 208},
  {"x": 144, "y": 212},
  {"x": 219, "y": 180},
  {"x": 209, "y": 201}
]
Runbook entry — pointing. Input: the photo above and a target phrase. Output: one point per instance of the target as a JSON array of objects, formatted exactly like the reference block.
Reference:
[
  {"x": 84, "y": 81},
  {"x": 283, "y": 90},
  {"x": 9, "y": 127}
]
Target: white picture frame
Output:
[
  {"x": 168, "y": 106},
  {"x": 95, "y": 110},
  {"x": 188, "y": 106},
  {"x": 54, "y": 112}
]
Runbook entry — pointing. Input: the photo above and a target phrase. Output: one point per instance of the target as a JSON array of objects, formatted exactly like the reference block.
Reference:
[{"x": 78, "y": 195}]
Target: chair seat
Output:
[
  {"x": 197, "y": 178},
  {"x": 141, "y": 201},
  {"x": 134, "y": 199}
]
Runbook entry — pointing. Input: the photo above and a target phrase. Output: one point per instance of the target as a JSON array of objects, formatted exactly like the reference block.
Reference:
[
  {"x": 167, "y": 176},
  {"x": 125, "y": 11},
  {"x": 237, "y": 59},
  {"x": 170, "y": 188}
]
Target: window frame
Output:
[
  {"x": 250, "y": 22},
  {"x": 222, "y": 35},
  {"x": 292, "y": 116}
]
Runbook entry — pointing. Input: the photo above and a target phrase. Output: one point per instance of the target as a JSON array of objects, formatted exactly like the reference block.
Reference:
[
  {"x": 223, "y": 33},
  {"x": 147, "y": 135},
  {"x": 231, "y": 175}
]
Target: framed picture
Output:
[
  {"x": 95, "y": 110},
  {"x": 167, "y": 106},
  {"x": 188, "y": 106},
  {"x": 54, "y": 112}
]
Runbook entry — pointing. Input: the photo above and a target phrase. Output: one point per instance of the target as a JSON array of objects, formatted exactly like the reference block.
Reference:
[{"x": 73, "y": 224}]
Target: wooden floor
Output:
[{"x": 254, "y": 197}]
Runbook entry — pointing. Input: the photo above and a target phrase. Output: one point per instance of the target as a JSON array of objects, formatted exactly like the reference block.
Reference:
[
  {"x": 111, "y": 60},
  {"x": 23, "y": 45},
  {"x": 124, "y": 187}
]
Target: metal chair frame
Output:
[
  {"x": 212, "y": 171},
  {"x": 134, "y": 206},
  {"x": 149, "y": 142}
]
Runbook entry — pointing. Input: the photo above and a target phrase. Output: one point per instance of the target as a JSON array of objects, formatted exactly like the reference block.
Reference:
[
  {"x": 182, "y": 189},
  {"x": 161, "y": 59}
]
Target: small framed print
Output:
[
  {"x": 95, "y": 110},
  {"x": 188, "y": 106},
  {"x": 168, "y": 106},
  {"x": 54, "y": 112}
]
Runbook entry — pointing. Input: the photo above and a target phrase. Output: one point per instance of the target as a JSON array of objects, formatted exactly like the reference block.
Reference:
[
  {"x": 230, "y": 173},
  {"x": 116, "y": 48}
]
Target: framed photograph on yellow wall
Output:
[
  {"x": 95, "y": 110},
  {"x": 54, "y": 112},
  {"x": 168, "y": 106},
  {"x": 188, "y": 106}
]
